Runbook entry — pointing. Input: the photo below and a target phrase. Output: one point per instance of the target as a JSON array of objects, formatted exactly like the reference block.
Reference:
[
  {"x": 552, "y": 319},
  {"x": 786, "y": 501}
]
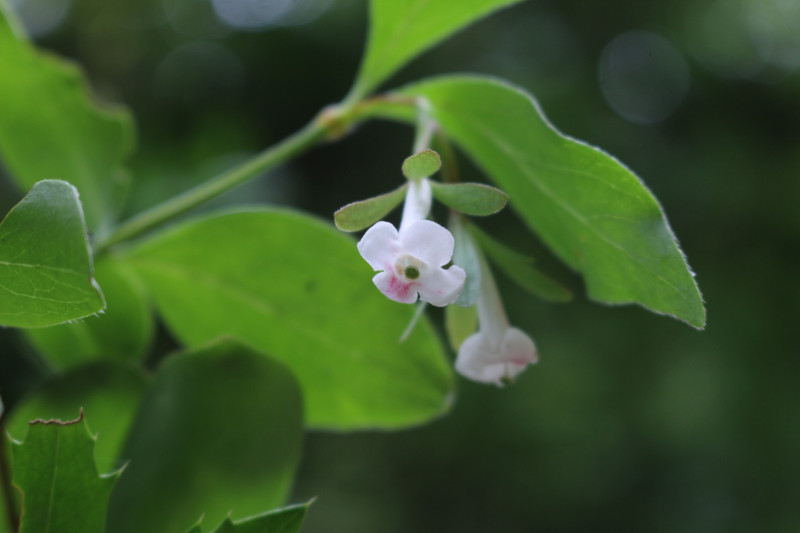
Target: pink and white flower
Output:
[
  {"x": 497, "y": 352},
  {"x": 410, "y": 261}
]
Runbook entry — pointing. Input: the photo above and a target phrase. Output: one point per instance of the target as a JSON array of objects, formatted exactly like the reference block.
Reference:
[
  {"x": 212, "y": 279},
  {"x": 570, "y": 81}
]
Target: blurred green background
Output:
[{"x": 631, "y": 421}]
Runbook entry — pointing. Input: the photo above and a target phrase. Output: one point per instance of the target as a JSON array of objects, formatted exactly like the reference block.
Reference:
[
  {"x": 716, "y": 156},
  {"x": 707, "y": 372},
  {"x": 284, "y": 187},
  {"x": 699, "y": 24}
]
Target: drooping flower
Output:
[
  {"x": 497, "y": 352},
  {"x": 410, "y": 262}
]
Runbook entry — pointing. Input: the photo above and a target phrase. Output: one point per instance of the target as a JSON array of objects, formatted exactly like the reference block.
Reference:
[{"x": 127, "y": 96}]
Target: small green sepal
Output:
[
  {"x": 422, "y": 165},
  {"x": 475, "y": 199},
  {"x": 364, "y": 213}
]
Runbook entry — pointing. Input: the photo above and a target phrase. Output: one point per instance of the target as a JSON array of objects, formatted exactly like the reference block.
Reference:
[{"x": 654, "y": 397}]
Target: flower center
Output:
[{"x": 408, "y": 267}]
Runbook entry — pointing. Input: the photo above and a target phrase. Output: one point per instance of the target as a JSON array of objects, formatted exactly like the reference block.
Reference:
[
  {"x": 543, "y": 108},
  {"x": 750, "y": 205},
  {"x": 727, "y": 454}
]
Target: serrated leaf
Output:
[
  {"x": 475, "y": 199},
  {"x": 285, "y": 520},
  {"x": 45, "y": 263},
  {"x": 399, "y": 30},
  {"x": 296, "y": 288},
  {"x": 460, "y": 323},
  {"x": 123, "y": 332},
  {"x": 109, "y": 393},
  {"x": 55, "y": 471},
  {"x": 592, "y": 211},
  {"x": 52, "y": 127},
  {"x": 520, "y": 268},
  {"x": 421, "y": 165},
  {"x": 219, "y": 434},
  {"x": 362, "y": 214},
  {"x": 465, "y": 256}
]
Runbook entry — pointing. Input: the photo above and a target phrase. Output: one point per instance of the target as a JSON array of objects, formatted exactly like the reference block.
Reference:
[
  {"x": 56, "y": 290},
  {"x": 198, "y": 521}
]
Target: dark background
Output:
[{"x": 631, "y": 421}]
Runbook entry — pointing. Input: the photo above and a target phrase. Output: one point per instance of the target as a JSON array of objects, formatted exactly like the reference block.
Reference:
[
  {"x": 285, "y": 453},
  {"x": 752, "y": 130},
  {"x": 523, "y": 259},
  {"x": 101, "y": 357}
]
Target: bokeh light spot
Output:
[
  {"x": 40, "y": 17},
  {"x": 643, "y": 77},
  {"x": 260, "y": 14}
]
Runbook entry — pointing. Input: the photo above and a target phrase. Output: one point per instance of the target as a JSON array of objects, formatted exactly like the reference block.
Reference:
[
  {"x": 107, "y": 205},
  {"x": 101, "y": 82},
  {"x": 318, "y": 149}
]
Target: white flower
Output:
[
  {"x": 497, "y": 352},
  {"x": 410, "y": 262},
  {"x": 495, "y": 358}
]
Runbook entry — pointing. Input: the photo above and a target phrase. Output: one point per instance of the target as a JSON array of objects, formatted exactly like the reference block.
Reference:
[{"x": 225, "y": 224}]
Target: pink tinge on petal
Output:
[
  {"x": 518, "y": 348},
  {"x": 395, "y": 288},
  {"x": 428, "y": 241},
  {"x": 379, "y": 245},
  {"x": 441, "y": 287}
]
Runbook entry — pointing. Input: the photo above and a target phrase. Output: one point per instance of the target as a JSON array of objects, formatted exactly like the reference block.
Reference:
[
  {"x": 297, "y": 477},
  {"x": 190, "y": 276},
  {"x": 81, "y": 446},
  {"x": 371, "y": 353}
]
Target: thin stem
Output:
[
  {"x": 5, "y": 481},
  {"x": 269, "y": 158},
  {"x": 331, "y": 124},
  {"x": 426, "y": 127}
]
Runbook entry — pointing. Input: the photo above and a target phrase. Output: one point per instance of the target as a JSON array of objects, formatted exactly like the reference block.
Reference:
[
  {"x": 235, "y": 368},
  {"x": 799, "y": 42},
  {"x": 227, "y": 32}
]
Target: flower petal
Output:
[
  {"x": 395, "y": 288},
  {"x": 379, "y": 245},
  {"x": 428, "y": 241},
  {"x": 478, "y": 361},
  {"x": 518, "y": 351},
  {"x": 441, "y": 287}
]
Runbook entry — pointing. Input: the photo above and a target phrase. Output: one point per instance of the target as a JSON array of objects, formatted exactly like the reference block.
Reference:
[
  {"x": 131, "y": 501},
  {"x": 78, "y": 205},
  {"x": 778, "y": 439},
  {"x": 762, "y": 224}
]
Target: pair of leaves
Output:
[
  {"x": 217, "y": 433},
  {"x": 46, "y": 108}
]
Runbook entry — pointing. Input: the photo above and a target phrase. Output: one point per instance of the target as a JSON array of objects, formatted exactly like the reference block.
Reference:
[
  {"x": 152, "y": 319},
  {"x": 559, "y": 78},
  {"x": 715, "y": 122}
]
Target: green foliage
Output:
[
  {"x": 421, "y": 165},
  {"x": 460, "y": 323},
  {"x": 295, "y": 288},
  {"x": 591, "y": 210},
  {"x": 109, "y": 394},
  {"x": 123, "y": 332},
  {"x": 51, "y": 127},
  {"x": 360, "y": 215},
  {"x": 399, "y": 30},
  {"x": 520, "y": 268},
  {"x": 285, "y": 520},
  {"x": 45, "y": 264},
  {"x": 474, "y": 199},
  {"x": 55, "y": 471},
  {"x": 218, "y": 432}
]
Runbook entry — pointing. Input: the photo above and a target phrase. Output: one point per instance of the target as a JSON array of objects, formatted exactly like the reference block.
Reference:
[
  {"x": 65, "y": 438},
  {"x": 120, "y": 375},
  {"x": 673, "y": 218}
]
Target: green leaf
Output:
[
  {"x": 474, "y": 199},
  {"x": 109, "y": 394},
  {"x": 55, "y": 471},
  {"x": 590, "y": 209},
  {"x": 52, "y": 127},
  {"x": 285, "y": 520},
  {"x": 123, "y": 332},
  {"x": 219, "y": 433},
  {"x": 296, "y": 288},
  {"x": 465, "y": 256},
  {"x": 45, "y": 264},
  {"x": 421, "y": 165},
  {"x": 399, "y": 30},
  {"x": 520, "y": 269},
  {"x": 460, "y": 323},
  {"x": 362, "y": 214}
]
